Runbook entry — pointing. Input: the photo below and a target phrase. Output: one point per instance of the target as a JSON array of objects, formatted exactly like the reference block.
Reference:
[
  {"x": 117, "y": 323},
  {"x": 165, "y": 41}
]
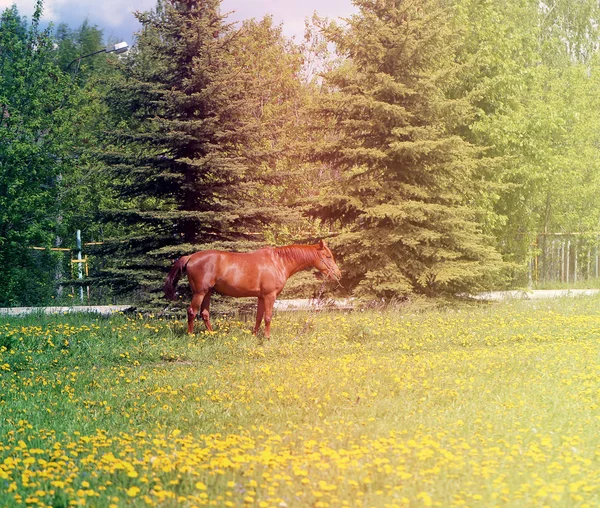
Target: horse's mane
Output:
[{"x": 299, "y": 253}]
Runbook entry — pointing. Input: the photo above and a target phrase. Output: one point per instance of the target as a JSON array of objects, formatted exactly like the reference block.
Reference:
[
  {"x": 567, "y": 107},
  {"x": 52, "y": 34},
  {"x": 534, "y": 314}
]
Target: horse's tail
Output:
[{"x": 174, "y": 276}]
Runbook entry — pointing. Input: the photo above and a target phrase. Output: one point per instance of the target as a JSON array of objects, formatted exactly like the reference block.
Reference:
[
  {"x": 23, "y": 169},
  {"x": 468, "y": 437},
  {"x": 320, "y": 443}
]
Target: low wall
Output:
[{"x": 105, "y": 310}]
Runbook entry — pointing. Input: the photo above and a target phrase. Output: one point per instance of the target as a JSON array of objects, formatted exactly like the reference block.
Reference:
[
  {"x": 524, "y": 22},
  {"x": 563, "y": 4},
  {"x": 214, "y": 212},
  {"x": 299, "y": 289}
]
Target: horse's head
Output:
[{"x": 326, "y": 264}]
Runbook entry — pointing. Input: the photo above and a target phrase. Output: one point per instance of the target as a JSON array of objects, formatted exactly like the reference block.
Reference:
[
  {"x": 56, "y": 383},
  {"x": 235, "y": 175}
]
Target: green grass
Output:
[{"x": 490, "y": 404}]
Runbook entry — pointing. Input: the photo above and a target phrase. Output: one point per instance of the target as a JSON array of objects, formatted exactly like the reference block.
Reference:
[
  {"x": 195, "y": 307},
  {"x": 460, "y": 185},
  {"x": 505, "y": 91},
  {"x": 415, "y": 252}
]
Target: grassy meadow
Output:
[{"x": 482, "y": 405}]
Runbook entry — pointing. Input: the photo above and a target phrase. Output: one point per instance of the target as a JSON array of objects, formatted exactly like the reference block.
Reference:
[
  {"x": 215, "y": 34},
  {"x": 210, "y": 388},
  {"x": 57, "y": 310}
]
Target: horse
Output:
[{"x": 261, "y": 273}]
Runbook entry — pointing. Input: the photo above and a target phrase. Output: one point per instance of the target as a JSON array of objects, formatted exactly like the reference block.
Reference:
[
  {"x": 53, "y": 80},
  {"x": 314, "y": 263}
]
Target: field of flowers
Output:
[{"x": 476, "y": 406}]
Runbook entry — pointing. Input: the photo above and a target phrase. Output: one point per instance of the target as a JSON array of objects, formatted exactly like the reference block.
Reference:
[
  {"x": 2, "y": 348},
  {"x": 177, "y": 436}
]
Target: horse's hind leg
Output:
[
  {"x": 192, "y": 311},
  {"x": 206, "y": 312}
]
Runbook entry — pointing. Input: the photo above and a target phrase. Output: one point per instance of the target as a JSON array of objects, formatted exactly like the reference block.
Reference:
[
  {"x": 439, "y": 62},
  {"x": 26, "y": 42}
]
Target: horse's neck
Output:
[{"x": 296, "y": 258}]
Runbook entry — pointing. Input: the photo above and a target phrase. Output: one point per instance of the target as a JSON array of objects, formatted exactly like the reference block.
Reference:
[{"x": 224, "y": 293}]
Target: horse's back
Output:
[
  {"x": 231, "y": 273},
  {"x": 223, "y": 257}
]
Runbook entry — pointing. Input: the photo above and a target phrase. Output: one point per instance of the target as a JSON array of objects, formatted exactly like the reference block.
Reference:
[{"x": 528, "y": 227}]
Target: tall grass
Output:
[{"x": 472, "y": 405}]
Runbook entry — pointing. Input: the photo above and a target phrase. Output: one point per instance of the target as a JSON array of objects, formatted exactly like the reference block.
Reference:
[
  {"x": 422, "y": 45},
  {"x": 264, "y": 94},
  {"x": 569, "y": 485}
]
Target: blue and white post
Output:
[{"x": 79, "y": 264}]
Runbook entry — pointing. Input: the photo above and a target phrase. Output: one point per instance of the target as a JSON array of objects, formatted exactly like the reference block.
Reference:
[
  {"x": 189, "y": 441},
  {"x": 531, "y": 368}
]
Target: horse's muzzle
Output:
[{"x": 334, "y": 274}]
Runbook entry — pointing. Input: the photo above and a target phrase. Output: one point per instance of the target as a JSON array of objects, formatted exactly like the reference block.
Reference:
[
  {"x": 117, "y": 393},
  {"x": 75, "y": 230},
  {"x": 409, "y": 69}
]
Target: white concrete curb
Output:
[{"x": 105, "y": 310}]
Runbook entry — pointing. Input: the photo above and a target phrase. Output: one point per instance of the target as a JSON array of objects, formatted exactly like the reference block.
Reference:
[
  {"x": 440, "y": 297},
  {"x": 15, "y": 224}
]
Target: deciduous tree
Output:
[{"x": 34, "y": 156}]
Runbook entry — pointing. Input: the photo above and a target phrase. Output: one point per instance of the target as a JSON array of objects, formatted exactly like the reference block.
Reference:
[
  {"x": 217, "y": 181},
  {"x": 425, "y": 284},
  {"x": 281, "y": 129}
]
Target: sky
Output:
[{"x": 116, "y": 18}]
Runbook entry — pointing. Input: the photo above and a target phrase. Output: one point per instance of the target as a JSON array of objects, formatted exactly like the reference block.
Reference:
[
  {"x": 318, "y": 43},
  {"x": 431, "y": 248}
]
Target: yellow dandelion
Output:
[{"x": 133, "y": 491}]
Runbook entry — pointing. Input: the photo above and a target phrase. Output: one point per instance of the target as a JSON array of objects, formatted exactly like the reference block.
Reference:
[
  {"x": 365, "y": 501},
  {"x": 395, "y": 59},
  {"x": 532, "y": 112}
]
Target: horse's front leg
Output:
[
  {"x": 269, "y": 302},
  {"x": 260, "y": 312},
  {"x": 193, "y": 310}
]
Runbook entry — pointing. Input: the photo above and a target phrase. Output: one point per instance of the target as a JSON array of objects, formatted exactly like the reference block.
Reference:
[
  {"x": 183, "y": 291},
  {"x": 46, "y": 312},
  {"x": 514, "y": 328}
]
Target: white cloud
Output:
[
  {"x": 25, "y": 6},
  {"x": 103, "y": 13}
]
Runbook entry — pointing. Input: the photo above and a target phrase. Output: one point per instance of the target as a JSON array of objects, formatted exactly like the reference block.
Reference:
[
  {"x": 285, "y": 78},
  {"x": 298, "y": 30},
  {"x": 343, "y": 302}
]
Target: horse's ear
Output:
[{"x": 321, "y": 244}]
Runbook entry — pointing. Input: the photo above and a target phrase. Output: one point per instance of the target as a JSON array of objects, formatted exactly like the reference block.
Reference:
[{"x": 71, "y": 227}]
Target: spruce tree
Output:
[
  {"x": 403, "y": 195},
  {"x": 184, "y": 158}
]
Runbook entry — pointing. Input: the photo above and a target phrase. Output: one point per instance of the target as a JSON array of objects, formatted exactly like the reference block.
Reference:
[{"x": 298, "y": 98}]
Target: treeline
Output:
[{"x": 429, "y": 141}]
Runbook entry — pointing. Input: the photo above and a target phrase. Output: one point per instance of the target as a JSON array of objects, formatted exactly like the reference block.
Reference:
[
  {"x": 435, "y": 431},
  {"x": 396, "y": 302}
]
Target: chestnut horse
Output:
[{"x": 261, "y": 273}]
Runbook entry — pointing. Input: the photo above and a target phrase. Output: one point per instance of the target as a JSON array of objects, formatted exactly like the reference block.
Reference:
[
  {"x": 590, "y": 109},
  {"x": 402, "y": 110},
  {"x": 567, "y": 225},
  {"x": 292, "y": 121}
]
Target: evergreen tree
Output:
[
  {"x": 277, "y": 93},
  {"x": 268, "y": 66},
  {"x": 181, "y": 159},
  {"x": 404, "y": 199}
]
